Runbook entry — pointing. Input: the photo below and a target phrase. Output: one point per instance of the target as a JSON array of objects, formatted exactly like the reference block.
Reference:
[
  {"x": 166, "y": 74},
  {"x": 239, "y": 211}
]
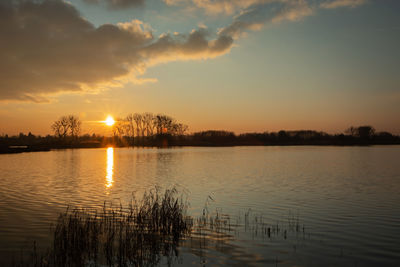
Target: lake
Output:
[{"x": 345, "y": 199}]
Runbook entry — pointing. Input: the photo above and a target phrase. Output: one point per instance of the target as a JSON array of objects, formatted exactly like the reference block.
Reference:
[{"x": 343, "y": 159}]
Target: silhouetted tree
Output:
[
  {"x": 74, "y": 125},
  {"x": 173, "y": 133},
  {"x": 351, "y": 131},
  {"x": 365, "y": 132},
  {"x": 157, "y": 122},
  {"x": 168, "y": 124},
  {"x": 119, "y": 128},
  {"x": 385, "y": 135},
  {"x": 67, "y": 124},
  {"x": 282, "y": 135},
  {"x": 139, "y": 123},
  {"x": 61, "y": 127},
  {"x": 179, "y": 128},
  {"x": 148, "y": 124},
  {"x": 130, "y": 127}
]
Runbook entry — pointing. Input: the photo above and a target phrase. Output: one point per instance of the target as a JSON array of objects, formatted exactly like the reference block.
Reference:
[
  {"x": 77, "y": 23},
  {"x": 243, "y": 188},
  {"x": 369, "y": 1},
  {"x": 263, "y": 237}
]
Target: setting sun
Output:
[{"x": 109, "y": 121}]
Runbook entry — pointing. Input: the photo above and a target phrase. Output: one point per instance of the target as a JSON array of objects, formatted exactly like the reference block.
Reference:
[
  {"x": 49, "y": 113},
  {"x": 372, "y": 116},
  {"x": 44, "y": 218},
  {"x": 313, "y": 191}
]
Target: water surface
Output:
[{"x": 347, "y": 198}]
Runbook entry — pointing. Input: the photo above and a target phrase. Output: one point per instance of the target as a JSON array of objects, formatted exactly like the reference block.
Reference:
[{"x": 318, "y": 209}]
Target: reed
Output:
[
  {"x": 147, "y": 232},
  {"x": 138, "y": 235}
]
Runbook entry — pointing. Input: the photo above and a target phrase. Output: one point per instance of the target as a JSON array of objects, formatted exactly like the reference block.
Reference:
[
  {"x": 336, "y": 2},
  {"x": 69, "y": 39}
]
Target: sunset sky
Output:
[{"x": 239, "y": 65}]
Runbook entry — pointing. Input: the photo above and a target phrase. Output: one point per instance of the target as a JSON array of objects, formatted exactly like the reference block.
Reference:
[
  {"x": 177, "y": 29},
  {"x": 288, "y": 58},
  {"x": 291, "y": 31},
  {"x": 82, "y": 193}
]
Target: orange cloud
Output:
[
  {"x": 47, "y": 48},
  {"x": 117, "y": 4},
  {"x": 342, "y": 3},
  {"x": 228, "y": 7},
  {"x": 256, "y": 18}
]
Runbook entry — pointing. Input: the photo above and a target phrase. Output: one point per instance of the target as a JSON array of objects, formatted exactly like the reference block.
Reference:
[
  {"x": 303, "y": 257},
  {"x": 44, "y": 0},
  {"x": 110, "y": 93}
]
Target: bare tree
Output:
[
  {"x": 157, "y": 123},
  {"x": 351, "y": 131},
  {"x": 61, "y": 127},
  {"x": 168, "y": 123},
  {"x": 148, "y": 125},
  {"x": 361, "y": 131},
  {"x": 165, "y": 124},
  {"x": 67, "y": 125},
  {"x": 138, "y": 118},
  {"x": 179, "y": 128},
  {"x": 130, "y": 126},
  {"x": 74, "y": 125},
  {"x": 56, "y": 127},
  {"x": 366, "y": 132},
  {"x": 119, "y": 128}
]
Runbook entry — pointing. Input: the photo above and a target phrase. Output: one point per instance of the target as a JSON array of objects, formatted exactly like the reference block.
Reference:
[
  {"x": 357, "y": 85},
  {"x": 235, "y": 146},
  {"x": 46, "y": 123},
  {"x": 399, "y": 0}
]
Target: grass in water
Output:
[
  {"x": 145, "y": 232},
  {"x": 138, "y": 235}
]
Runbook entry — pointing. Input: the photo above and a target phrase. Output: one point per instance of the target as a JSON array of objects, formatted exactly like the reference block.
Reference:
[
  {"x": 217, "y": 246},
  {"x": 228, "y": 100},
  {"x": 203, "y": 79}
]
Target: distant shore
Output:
[
  {"x": 355, "y": 136},
  {"x": 41, "y": 148}
]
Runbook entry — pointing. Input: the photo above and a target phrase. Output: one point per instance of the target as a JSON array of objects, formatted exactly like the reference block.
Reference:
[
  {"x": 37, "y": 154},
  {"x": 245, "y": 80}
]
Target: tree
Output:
[
  {"x": 61, "y": 127},
  {"x": 351, "y": 131},
  {"x": 119, "y": 128},
  {"x": 148, "y": 124},
  {"x": 74, "y": 125},
  {"x": 365, "y": 132},
  {"x": 67, "y": 124},
  {"x": 139, "y": 123},
  {"x": 165, "y": 124},
  {"x": 130, "y": 126},
  {"x": 157, "y": 123},
  {"x": 179, "y": 128}
]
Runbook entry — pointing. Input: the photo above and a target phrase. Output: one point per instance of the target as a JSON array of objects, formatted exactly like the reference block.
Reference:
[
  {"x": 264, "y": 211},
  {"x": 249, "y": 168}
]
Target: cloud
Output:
[
  {"x": 252, "y": 15},
  {"x": 117, "y": 4},
  {"x": 260, "y": 16},
  {"x": 228, "y": 7},
  {"x": 47, "y": 47},
  {"x": 186, "y": 47},
  {"x": 232, "y": 7},
  {"x": 293, "y": 11},
  {"x": 174, "y": 2},
  {"x": 257, "y": 14},
  {"x": 342, "y": 3}
]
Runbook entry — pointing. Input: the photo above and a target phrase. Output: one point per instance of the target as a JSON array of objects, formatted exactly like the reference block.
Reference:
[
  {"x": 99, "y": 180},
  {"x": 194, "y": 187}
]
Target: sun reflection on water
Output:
[{"x": 110, "y": 167}]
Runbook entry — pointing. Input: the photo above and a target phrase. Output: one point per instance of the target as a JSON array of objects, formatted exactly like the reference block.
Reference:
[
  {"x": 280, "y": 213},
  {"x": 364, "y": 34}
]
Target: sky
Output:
[{"x": 238, "y": 65}]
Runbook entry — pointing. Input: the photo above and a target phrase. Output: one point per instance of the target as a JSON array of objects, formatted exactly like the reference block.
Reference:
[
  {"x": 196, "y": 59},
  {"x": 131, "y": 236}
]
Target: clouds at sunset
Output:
[
  {"x": 256, "y": 18},
  {"x": 47, "y": 47},
  {"x": 342, "y": 3},
  {"x": 254, "y": 15},
  {"x": 117, "y": 4},
  {"x": 232, "y": 7},
  {"x": 227, "y": 7}
]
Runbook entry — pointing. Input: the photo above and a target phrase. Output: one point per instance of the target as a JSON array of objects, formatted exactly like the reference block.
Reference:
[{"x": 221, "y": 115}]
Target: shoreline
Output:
[{"x": 28, "y": 149}]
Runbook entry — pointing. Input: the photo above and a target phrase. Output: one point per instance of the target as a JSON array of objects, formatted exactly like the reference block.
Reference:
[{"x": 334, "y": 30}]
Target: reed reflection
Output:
[{"x": 110, "y": 167}]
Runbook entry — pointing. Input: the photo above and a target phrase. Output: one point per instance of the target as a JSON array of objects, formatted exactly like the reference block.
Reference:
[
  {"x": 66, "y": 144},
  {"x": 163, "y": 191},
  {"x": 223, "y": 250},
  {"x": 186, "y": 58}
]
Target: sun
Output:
[{"x": 109, "y": 121}]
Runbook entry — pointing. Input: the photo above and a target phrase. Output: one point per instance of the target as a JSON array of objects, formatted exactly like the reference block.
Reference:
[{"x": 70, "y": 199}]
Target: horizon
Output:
[
  {"x": 106, "y": 130},
  {"x": 108, "y": 126},
  {"x": 241, "y": 66}
]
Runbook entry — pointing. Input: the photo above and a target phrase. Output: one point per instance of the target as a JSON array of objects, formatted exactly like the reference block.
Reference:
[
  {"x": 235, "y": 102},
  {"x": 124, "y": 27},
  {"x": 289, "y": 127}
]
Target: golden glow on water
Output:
[{"x": 110, "y": 167}]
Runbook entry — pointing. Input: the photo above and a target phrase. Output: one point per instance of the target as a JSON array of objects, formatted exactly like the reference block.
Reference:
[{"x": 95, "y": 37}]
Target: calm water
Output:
[{"x": 347, "y": 198}]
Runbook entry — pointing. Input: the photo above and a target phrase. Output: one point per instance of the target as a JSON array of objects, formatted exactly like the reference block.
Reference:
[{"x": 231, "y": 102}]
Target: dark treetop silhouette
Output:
[{"x": 162, "y": 131}]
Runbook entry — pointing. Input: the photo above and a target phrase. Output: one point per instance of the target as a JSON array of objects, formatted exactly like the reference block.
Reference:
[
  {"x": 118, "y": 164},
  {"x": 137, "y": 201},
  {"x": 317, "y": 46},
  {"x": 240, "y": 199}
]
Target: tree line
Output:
[
  {"x": 160, "y": 130},
  {"x": 133, "y": 125},
  {"x": 67, "y": 126},
  {"x": 362, "y": 135},
  {"x": 147, "y": 124}
]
